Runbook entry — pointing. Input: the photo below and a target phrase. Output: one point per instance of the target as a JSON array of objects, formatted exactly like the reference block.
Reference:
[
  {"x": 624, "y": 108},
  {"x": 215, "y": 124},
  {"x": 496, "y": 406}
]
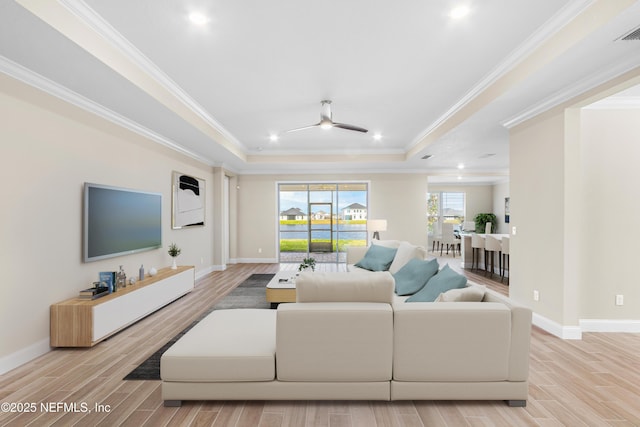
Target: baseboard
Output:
[
  {"x": 607, "y": 325},
  {"x": 257, "y": 260},
  {"x": 554, "y": 328},
  {"x": 27, "y": 354}
]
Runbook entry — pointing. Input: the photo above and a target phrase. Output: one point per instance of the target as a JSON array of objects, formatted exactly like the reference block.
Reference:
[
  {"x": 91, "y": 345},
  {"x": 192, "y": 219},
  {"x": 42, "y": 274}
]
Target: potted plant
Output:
[
  {"x": 482, "y": 218},
  {"x": 174, "y": 251},
  {"x": 307, "y": 263}
]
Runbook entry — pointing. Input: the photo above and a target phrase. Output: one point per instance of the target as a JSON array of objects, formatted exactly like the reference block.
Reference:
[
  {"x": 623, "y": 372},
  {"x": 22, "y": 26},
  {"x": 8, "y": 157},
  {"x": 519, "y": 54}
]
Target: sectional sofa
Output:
[{"x": 349, "y": 337}]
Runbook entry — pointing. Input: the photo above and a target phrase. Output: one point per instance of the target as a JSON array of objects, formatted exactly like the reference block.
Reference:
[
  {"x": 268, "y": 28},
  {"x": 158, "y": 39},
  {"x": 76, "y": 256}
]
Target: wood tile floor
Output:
[{"x": 592, "y": 382}]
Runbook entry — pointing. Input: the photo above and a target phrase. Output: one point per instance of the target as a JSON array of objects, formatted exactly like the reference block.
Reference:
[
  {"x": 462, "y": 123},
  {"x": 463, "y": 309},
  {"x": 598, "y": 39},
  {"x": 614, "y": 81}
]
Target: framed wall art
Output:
[
  {"x": 506, "y": 210},
  {"x": 187, "y": 201}
]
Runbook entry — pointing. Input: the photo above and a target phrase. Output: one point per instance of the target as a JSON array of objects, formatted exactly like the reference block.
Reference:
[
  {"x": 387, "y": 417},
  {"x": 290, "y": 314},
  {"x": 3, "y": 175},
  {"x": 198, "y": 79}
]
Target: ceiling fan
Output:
[{"x": 327, "y": 123}]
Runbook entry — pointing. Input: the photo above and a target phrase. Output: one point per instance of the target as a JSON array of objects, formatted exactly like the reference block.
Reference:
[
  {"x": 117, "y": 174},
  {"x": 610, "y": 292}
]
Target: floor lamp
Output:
[{"x": 377, "y": 225}]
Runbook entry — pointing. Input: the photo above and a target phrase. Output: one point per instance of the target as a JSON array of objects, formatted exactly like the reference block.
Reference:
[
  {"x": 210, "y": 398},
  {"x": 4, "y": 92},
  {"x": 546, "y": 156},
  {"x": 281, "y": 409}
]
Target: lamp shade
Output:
[{"x": 377, "y": 225}]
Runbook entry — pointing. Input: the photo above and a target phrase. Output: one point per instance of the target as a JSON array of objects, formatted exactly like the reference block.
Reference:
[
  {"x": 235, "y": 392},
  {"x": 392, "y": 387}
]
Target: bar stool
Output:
[
  {"x": 477, "y": 243},
  {"x": 505, "y": 257},
  {"x": 491, "y": 246},
  {"x": 487, "y": 228}
]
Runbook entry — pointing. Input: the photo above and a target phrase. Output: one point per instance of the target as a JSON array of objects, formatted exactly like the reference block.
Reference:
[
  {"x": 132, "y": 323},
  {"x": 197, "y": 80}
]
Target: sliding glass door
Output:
[{"x": 318, "y": 219}]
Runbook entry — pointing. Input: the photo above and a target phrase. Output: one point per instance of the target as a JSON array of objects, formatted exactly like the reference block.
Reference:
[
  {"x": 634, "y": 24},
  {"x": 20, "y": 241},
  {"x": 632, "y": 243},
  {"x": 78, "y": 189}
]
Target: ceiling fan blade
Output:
[
  {"x": 302, "y": 128},
  {"x": 350, "y": 127}
]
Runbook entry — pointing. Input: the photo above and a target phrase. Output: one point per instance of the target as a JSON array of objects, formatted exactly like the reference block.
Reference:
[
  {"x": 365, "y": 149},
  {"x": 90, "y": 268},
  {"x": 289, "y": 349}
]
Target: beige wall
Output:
[
  {"x": 398, "y": 198},
  {"x": 537, "y": 198},
  {"x": 610, "y": 151},
  {"x": 573, "y": 184},
  {"x": 48, "y": 150}
]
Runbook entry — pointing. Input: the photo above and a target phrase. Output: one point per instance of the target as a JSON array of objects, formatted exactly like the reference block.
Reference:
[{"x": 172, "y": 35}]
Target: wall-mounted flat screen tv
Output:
[{"x": 120, "y": 221}]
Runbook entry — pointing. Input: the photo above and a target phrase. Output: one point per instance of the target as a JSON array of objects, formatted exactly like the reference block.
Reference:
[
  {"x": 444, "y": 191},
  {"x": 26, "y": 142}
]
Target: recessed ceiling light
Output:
[
  {"x": 377, "y": 136},
  {"x": 460, "y": 165},
  {"x": 459, "y": 177},
  {"x": 459, "y": 12},
  {"x": 273, "y": 137},
  {"x": 198, "y": 18}
]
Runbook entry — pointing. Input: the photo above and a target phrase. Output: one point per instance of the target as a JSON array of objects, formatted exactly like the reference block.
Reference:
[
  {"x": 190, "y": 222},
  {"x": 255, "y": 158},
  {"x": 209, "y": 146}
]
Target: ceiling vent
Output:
[
  {"x": 632, "y": 35},
  {"x": 427, "y": 156}
]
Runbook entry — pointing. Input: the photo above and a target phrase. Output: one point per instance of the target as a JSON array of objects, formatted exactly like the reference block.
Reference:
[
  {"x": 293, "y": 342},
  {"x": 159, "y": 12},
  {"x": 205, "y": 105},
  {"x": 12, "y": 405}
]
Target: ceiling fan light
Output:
[{"x": 326, "y": 125}]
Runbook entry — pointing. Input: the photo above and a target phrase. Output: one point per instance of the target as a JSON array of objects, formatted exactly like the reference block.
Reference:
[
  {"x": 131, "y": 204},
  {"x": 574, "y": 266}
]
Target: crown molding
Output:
[
  {"x": 52, "y": 88},
  {"x": 616, "y": 103},
  {"x": 573, "y": 91},
  {"x": 551, "y": 27}
]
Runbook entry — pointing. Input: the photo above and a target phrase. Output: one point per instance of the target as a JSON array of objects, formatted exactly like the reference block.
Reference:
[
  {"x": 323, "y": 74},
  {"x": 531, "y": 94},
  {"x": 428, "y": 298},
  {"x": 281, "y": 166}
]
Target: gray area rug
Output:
[{"x": 249, "y": 294}]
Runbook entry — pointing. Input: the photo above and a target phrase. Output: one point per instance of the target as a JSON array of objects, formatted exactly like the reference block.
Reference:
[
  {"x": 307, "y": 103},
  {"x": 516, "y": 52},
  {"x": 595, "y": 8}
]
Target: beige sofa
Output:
[{"x": 348, "y": 337}]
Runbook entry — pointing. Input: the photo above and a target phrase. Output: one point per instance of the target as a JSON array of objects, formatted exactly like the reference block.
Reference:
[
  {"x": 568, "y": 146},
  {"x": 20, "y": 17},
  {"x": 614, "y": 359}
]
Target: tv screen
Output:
[{"x": 120, "y": 221}]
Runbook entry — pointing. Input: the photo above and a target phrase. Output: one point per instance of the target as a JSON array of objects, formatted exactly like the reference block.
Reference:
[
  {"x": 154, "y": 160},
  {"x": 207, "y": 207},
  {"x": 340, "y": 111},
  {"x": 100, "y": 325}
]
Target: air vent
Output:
[
  {"x": 427, "y": 156},
  {"x": 633, "y": 35}
]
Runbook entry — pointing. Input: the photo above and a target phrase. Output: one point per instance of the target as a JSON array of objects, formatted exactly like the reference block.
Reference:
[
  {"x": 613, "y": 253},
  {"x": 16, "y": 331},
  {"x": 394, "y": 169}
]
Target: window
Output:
[
  {"x": 320, "y": 219},
  {"x": 444, "y": 207}
]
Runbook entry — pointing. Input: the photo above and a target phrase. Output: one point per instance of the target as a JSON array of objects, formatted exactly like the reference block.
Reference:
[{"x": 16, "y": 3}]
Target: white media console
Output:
[{"x": 83, "y": 323}]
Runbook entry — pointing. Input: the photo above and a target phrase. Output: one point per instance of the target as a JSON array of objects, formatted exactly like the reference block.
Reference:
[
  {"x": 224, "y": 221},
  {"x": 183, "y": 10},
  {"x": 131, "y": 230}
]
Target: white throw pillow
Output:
[
  {"x": 406, "y": 251},
  {"x": 473, "y": 293}
]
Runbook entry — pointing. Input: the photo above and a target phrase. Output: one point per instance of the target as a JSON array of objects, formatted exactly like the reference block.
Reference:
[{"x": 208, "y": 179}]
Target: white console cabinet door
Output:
[{"x": 118, "y": 313}]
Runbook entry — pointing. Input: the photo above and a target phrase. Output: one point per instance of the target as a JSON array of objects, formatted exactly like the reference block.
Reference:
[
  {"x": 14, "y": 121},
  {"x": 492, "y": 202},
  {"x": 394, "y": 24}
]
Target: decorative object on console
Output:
[
  {"x": 141, "y": 273},
  {"x": 307, "y": 263},
  {"x": 174, "y": 251},
  {"x": 187, "y": 201},
  {"x": 153, "y": 271},
  {"x": 121, "y": 279},
  {"x": 109, "y": 278},
  {"x": 377, "y": 225}
]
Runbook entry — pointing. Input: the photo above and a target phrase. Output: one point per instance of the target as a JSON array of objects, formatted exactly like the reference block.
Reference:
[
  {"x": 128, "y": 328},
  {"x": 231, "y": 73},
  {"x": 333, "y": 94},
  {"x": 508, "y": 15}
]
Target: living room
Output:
[{"x": 569, "y": 168}]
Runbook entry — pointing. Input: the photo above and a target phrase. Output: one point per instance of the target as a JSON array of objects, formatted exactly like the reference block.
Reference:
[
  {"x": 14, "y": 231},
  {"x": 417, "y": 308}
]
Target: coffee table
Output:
[{"x": 282, "y": 288}]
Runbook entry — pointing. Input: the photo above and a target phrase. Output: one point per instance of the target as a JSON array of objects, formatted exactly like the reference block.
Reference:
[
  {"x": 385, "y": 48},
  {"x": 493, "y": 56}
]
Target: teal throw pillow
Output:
[
  {"x": 445, "y": 280},
  {"x": 414, "y": 275},
  {"x": 377, "y": 258}
]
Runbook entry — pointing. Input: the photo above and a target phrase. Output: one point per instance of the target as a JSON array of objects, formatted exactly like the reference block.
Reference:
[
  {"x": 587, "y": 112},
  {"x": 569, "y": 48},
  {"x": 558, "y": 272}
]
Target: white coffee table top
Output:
[{"x": 283, "y": 280}]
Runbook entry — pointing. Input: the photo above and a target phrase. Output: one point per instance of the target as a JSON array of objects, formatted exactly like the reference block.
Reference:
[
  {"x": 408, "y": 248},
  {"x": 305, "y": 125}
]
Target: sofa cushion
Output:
[
  {"x": 414, "y": 275},
  {"x": 473, "y": 293},
  {"x": 227, "y": 345},
  {"x": 377, "y": 258},
  {"x": 334, "y": 342},
  {"x": 406, "y": 252},
  {"x": 345, "y": 287},
  {"x": 445, "y": 280}
]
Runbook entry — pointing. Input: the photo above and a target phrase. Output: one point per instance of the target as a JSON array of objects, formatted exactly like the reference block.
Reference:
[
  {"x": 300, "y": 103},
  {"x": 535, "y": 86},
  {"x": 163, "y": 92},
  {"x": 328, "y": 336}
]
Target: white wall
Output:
[{"x": 48, "y": 150}]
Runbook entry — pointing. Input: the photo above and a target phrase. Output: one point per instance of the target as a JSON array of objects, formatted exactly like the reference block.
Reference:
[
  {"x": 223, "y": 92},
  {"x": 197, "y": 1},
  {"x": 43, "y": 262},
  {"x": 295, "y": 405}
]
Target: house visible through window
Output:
[{"x": 444, "y": 207}]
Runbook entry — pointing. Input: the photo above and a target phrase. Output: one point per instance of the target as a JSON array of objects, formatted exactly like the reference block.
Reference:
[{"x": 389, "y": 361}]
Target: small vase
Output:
[{"x": 174, "y": 266}]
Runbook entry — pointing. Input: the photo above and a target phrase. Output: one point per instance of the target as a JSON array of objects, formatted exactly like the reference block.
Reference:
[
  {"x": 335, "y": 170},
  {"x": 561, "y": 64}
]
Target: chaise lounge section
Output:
[{"x": 348, "y": 337}]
